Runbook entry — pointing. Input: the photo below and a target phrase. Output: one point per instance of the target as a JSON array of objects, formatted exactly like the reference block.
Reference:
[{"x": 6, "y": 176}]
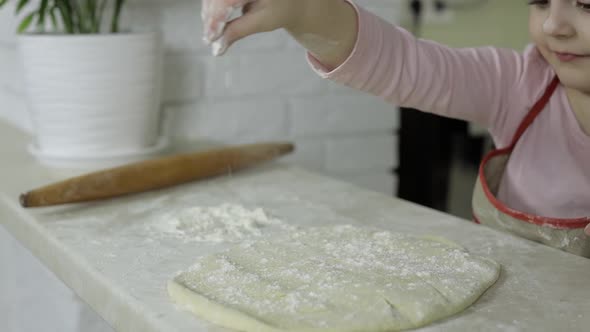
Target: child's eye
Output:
[
  {"x": 539, "y": 3},
  {"x": 583, "y": 5}
]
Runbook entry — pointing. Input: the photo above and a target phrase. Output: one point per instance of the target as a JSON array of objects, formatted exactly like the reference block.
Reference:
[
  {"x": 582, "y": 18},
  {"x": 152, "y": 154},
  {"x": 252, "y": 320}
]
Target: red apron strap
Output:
[{"x": 537, "y": 108}]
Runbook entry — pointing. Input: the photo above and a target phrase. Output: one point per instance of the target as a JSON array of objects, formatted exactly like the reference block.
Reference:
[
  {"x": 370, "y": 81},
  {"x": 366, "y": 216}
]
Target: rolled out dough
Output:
[{"x": 339, "y": 278}]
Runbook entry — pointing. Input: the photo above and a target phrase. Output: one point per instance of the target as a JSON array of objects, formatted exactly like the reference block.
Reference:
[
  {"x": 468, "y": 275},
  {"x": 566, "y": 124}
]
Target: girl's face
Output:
[{"x": 561, "y": 31}]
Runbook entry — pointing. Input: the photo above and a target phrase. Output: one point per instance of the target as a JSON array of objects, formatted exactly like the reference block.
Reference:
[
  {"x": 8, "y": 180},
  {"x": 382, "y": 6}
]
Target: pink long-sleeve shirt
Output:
[{"x": 548, "y": 173}]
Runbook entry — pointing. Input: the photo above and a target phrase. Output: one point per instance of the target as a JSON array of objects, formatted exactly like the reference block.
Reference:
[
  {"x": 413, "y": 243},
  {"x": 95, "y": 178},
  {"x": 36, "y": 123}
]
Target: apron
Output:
[{"x": 564, "y": 234}]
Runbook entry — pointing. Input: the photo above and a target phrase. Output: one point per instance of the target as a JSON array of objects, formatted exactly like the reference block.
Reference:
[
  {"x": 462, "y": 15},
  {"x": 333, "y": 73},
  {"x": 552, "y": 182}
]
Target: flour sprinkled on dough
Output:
[{"x": 340, "y": 278}]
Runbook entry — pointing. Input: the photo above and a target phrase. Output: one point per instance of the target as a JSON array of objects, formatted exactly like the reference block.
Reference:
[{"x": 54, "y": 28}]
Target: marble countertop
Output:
[{"x": 110, "y": 255}]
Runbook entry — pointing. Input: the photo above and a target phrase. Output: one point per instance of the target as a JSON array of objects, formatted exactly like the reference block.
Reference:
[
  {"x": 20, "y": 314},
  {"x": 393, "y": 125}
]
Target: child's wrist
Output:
[{"x": 326, "y": 28}]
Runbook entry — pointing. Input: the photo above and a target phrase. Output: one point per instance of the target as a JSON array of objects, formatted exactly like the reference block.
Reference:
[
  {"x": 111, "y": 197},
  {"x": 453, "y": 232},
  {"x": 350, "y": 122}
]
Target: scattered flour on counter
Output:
[{"x": 223, "y": 223}]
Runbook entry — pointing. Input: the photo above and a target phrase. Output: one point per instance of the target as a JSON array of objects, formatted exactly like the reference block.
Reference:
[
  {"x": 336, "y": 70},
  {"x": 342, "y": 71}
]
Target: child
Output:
[{"x": 536, "y": 105}]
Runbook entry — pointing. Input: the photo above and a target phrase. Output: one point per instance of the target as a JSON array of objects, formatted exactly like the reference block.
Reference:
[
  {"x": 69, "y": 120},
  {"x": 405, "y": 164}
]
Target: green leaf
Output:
[
  {"x": 65, "y": 15},
  {"x": 91, "y": 7},
  {"x": 26, "y": 22},
  {"x": 116, "y": 15},
  {"x": 21, "y": 5},
  {"x": 54, "y": 17},
  {"x": 87, "y": 11},
  {"x": 42, "y": 12},
  {"x": 3, "y": 2},
  {"x": 77, "y": 16},
  {"x": 101, "y": 10}
]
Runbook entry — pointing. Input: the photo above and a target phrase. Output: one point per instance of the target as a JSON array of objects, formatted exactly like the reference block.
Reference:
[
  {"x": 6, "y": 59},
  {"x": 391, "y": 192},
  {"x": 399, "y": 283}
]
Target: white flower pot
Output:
[{"x": 93, "y": 99}]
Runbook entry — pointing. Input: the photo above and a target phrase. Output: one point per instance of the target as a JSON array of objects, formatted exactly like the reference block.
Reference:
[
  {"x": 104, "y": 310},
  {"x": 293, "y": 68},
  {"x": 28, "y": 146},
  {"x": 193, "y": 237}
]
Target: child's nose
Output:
[{"x": 558, "y": 24}]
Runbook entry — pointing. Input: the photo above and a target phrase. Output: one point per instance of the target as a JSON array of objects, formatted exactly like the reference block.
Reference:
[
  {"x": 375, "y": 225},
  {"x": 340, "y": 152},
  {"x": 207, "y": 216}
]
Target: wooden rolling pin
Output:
[{"x": 154, "y": 174}]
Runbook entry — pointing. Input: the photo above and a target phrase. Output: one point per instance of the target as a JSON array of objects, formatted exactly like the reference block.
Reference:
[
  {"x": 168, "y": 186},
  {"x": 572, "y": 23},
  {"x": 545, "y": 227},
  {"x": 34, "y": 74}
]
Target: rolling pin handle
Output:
[{"x": 23, "y": 199}]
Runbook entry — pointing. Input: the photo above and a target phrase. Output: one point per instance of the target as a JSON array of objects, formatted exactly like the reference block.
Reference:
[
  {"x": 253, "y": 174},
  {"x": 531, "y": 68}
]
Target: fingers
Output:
[
  {"x": 254, "y": 20},
  {"x": 215, "y": 15},
  {"x": 211, "y": 8}
]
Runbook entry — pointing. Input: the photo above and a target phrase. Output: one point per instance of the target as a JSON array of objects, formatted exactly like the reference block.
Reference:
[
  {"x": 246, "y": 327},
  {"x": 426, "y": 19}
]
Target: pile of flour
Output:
[{"x": 223, "y": 223}]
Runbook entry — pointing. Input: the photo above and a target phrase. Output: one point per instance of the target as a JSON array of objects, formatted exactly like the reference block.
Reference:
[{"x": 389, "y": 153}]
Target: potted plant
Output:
[{"x": 92, "y": 90}]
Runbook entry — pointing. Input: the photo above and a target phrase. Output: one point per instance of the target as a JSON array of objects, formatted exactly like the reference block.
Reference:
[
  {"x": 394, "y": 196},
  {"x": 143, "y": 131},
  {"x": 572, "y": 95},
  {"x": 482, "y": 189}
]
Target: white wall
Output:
[{"x": 262, "y": 89}]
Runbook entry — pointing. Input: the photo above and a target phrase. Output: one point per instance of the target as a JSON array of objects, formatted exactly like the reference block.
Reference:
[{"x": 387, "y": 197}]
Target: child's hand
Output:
[
  {"x": 258, "y": 16},
  {"x": 327, "y": 28},
  {"x": 588, "y": 229}
]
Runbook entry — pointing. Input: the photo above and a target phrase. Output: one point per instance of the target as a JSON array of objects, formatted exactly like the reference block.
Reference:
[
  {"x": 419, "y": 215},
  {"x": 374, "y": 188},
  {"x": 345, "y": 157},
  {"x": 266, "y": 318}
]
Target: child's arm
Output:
[
  {"x": 358, "y": 49},
  {"x": 327, "y": 28},
  {"x": 489, "y": 86},
  {"x": 473, "y": 84}
]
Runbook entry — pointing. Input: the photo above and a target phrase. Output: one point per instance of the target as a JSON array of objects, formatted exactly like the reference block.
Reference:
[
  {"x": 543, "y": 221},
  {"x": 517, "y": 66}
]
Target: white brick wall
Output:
[
  {"x": 341, "y": 113},
  {"x": 262, "y": 90}
]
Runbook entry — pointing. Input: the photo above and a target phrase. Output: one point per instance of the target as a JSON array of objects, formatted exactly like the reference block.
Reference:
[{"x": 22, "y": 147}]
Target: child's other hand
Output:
[{"x": 588, "y": 229}]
